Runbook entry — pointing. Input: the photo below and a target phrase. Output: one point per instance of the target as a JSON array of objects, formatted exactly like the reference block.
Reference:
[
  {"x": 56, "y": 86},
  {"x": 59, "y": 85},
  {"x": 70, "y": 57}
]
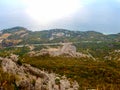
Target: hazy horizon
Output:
[{"x": 79, "y": 15}]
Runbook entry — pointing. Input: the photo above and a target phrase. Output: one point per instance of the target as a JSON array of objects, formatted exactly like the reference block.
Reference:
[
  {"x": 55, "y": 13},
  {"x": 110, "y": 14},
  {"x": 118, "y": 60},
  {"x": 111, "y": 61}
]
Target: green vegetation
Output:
[
  {"x": 19, "y": 62},
  {"x": 5, "y": 52},
  {"x": 14, "y": 29},
  {"x": 7, "y": 81},
  {"x": 102, "y": 73},
  {"x": 87, "y": 72},
  {"x": 97, "y": 49},
  {"x": 58, "y": 35}
]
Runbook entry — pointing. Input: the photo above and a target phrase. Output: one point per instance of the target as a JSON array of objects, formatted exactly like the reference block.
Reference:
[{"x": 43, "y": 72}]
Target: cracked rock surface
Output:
[{"x": 31, "y": 78}]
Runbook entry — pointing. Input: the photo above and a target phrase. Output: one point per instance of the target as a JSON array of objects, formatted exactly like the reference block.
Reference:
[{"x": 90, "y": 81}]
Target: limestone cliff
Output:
[{"x": 66, "y": 50}]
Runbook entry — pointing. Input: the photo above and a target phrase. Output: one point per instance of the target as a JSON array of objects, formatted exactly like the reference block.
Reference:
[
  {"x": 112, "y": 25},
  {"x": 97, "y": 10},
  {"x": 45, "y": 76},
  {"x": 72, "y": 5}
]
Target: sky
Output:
[{"x": 81, "y": 15}]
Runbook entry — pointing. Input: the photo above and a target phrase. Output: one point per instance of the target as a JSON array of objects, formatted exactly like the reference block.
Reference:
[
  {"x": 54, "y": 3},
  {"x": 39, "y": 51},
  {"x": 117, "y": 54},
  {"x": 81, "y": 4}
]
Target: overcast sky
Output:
[{"x": 98, "y": 15}]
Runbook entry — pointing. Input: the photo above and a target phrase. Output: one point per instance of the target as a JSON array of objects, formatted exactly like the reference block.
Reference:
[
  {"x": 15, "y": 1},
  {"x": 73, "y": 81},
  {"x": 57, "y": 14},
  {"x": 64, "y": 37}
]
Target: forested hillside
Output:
[{"x": 21, "y": 36}]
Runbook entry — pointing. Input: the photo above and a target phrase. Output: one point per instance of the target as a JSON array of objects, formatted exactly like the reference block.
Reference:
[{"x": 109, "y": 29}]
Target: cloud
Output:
[{"x": 99, "y": 15}]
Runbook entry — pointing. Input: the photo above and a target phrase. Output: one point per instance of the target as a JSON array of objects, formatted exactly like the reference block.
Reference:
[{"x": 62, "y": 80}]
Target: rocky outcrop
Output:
[
  {"x": 31, "y": 78},
  {"x": 67, "y": 50},
  {"x": 113, "y": 55}
]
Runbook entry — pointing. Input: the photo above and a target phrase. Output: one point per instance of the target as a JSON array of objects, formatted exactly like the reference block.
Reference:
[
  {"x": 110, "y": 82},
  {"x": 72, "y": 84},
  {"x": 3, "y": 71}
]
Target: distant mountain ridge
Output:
[
  {"x": 20, "y": 35},
  {"x": 14, "y": 29}
]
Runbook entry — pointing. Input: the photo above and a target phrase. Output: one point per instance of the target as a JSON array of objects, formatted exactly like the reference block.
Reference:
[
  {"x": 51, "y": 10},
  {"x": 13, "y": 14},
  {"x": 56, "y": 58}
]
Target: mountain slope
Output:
[{"x": 20, "y": 35}]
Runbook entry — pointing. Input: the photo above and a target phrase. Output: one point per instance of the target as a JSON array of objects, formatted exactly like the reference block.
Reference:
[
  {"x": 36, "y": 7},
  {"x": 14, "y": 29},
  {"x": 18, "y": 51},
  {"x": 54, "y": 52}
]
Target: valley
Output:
[{"x": 67, "y": 60}]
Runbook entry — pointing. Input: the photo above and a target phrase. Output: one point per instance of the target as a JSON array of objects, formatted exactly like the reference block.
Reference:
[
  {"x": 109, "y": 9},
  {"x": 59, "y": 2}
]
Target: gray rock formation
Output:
[
  {"x": 67, "y": 50},
  {"x": 31, "y": 78}
]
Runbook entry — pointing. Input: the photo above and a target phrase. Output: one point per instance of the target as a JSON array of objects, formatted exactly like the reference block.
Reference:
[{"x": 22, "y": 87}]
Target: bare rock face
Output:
[
  {"x": 67, "y": 50},
  {"x": 14, "y": 57},
  {"x": 31, "y": 78}
]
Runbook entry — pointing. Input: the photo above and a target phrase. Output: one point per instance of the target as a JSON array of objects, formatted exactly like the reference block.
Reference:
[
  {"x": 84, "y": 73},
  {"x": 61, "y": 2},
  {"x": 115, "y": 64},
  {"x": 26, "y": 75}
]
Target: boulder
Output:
[{"x": 31, "y": 78}]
